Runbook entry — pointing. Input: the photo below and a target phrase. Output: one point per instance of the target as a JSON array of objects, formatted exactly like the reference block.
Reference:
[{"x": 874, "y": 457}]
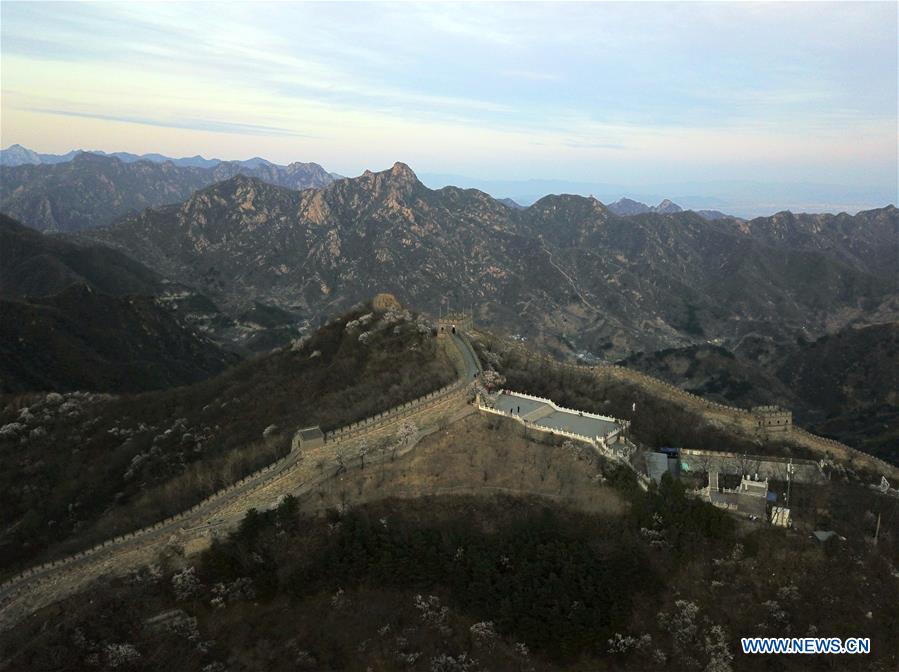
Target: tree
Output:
[
  {"x": 288, "y": 512},
  {"x": 406, "y": 433},
  {"x": 251, "y": 525}
]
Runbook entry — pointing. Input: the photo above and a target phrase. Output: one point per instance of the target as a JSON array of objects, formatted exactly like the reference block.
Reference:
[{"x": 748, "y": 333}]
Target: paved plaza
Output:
[{"x": 548, "y": 416}]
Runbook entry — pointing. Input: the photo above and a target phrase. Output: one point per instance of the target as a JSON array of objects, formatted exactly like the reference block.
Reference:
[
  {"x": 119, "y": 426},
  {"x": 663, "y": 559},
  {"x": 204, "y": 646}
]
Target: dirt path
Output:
[{"x": 574, "y": 285}]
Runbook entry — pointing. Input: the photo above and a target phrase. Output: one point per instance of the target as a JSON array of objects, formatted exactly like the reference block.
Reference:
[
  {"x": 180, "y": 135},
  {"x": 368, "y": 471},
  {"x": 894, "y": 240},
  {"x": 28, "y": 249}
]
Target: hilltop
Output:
[
  {"x": 79, "y": 339},
  {"x": 32, "y": 264}
]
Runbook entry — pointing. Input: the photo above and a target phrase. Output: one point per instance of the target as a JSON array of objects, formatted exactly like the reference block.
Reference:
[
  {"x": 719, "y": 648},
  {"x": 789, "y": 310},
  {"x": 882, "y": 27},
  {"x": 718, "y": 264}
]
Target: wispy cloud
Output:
[
  {"x": 192, "y": 124},
  {"x": 544, "y": 88}
]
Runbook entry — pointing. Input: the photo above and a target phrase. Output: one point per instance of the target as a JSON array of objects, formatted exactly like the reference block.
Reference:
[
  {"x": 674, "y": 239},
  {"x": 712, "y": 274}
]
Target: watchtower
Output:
[
  {"x": 454, "y": 322},
  {"x": 772, "y": 419}
]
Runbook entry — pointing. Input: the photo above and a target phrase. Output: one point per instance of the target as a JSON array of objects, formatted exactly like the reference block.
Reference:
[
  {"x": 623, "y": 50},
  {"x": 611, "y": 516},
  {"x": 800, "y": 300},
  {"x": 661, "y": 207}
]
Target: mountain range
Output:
[
  {"x": 740, "y": 198},
  {"x": 567, "y": 271},
  {"x": 251, "y": 258},
  {"x": 17, "y": 155},
  {"x": 92, "y": 190}
]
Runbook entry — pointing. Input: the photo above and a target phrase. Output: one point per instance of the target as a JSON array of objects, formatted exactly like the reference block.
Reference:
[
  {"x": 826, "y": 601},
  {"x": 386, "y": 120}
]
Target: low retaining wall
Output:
[
  {"x": 593, "y": 441},
  {"x": 773, "y": 468}
]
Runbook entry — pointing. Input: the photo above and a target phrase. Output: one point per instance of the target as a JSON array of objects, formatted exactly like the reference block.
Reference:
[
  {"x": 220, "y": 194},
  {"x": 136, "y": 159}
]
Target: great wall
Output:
[
  {"x": 739, "y": 420},
  {"x": 299, "y": 473},
  {"x": 194, "y": 528}
]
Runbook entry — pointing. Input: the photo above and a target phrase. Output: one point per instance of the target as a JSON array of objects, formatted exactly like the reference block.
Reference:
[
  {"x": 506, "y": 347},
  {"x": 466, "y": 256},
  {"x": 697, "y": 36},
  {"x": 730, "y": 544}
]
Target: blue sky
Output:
[{"x": 637, "y": 93}]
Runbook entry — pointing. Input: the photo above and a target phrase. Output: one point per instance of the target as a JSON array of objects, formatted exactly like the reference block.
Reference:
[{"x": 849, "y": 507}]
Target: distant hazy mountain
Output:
[
  {"x": 566, "y": 271},
  {"x": 666, "y": 207},
  {"x": 187, "y": 161},
  {"x": 626, "y": 207},
  {"x": 295, "y": 175},
  {"x": 16, "y": 155},
  {"x": 739, "y": 198},
  {"x": 712, "y": 214},
  {"x": 510, "y": 203},
  {"x": 92, "y": 190}
]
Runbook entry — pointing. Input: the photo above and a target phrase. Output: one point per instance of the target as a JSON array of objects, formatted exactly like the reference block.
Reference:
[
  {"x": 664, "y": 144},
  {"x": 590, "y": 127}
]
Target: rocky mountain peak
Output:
[
  {"x": 667, "y": 206},
  {"x": 626, "y": 206},
  {"x": 403, "y": 172},
  {"x": 233, "y": 187},
  {"x": 395, "y": 184},
  {"x": 16, "y": 155}
]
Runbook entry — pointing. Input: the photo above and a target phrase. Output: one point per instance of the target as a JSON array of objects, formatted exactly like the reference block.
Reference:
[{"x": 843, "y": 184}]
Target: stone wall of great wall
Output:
[
  {"x": 738, "y": 420},
  {"x": 193, "y": 528}
]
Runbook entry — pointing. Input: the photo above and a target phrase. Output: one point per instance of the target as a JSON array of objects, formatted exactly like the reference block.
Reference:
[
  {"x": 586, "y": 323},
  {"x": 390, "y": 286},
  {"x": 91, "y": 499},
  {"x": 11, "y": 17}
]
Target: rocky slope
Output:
[
  {"x": 92, "y": 190},
  {"x": 866, "y": 241},
  {"x": 565, "y": 271}
]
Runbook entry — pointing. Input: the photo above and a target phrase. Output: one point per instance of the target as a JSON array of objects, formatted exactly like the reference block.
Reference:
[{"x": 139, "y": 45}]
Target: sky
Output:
[{"x": 636, "y": 93}]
